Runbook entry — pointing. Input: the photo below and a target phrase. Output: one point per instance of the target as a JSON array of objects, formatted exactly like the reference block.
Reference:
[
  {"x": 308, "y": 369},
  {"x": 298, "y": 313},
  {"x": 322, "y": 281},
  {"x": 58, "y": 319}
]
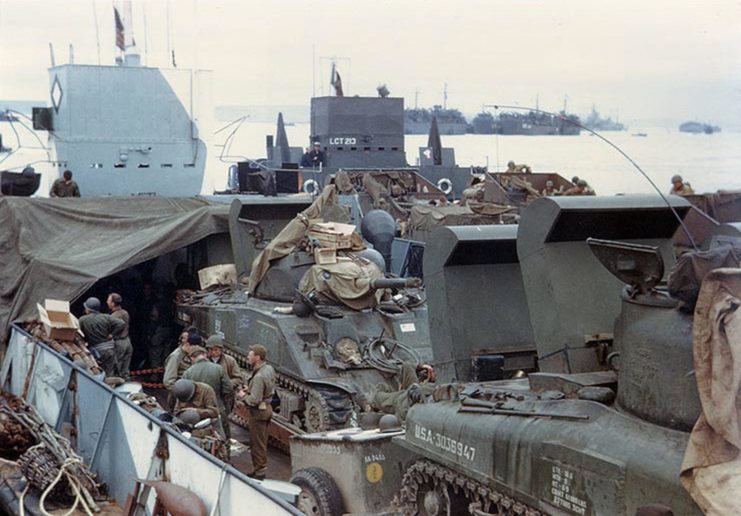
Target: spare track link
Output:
[{"x": 480, "y": 499}]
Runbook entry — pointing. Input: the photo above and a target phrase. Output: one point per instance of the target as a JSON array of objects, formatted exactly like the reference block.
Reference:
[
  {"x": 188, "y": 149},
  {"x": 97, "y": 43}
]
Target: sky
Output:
[{"x": 645, "y": 61}]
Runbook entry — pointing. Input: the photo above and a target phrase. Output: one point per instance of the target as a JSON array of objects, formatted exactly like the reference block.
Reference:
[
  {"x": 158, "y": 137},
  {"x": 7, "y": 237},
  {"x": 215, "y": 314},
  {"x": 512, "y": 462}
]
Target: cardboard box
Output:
[
  {"x": 224, "y": 274},
  {"x": 324, "y": 256},
  {"x": 332, "y": 235},
  {"x": 58, "y": 322}
]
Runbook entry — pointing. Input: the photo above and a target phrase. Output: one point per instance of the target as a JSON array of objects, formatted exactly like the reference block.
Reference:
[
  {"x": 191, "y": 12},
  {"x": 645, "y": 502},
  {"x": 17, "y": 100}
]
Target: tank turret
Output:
[{"x": 335, "y": 328}]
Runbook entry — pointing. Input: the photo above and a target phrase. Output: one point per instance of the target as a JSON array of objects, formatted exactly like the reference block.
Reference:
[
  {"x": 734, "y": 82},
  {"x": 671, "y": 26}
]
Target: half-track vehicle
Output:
[
  {"x": 602, "y": 429},
  {"x": 329, "y": 346}
]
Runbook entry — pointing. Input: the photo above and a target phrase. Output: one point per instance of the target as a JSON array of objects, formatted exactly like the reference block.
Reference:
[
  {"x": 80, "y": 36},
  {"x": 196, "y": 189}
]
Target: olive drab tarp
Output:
[
  {"x": 324, "y": 207},
  {"x": 426, "y": 218},
  {"x": 58, "y": 248},
  {"x": 711, "y": 471},
  {"x": 348, "y": 282}
]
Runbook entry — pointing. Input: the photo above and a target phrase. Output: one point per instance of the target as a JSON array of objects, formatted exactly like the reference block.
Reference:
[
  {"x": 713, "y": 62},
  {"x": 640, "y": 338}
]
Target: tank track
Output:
[{"x": 473, "y": 497}]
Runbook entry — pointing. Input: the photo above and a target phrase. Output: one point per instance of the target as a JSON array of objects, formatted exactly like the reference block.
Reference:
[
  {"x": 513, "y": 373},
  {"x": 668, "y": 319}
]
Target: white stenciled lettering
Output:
[
  {"x": 342, "y": 140},
  {"x": 444, "y": 443},
  {"x": 562, "y": 488}
]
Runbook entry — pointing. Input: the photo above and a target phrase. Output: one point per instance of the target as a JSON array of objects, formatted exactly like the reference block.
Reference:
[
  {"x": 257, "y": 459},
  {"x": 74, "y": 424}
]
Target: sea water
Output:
[{"x": 709, "y": 162}]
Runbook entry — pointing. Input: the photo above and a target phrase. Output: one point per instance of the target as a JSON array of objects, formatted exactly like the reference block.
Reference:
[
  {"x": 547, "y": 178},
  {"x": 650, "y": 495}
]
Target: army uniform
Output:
[
  {"x": 176, "y": 364},
  {"x": 685, "y": 190},
  {"x": 62, "y": 188},
  {"x": 261, "y": 386},
  {"x": 231, "y": 368},
  {"x": 204, "y": 402},
  {"x": 100, "y": 332},
  {"x": 397, "y": 402},
  {"x": 122, "y": 346},
  {"x": 205, "y": 371}
]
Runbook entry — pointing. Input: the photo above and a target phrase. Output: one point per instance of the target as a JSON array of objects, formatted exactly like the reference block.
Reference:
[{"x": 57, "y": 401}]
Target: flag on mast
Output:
[
  {"x": 336, "y": 82},
  {"x": 120, "y": 41}
]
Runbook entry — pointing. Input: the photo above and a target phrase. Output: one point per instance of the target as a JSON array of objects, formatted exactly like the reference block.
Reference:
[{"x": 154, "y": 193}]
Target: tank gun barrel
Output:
[{"x": 395, "y": 283}]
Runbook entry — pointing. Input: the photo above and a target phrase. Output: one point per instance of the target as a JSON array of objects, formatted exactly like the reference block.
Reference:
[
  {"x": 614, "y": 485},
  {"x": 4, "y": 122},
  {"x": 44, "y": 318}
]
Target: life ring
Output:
[
  {"x": 445, "y": 186},
  {"x": 310, "y": 186}
]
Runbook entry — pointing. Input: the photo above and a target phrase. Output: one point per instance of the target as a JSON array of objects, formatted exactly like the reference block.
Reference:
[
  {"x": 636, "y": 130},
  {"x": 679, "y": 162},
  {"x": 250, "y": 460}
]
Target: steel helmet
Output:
[
  {"x": 92, "y": 304},
  {"x": 676, "y": 178},
  {"x": 389, "y": 423},
  {"x": 183, "y": 390},
  {"x": 189, "y": 417}
]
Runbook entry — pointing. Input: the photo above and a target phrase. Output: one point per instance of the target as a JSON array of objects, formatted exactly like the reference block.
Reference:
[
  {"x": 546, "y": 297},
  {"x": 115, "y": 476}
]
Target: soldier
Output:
[
  {"x": 179, "y": 360},
  {"x": 101, "y": 331},
  {"x": 581, "y": 188},
  {"x": 550, "y": 189},
  {"x": 316, "y": 158},
  {"x": 64, "y": 186},
  {"x": 414, "y": 384},
  {"x": 215, "y": 348},
  {"x": 196, "y": 396},
  {"x": 257, "y": 398},
  {"x": 122, "y": 346},
  {"x": 205, "y": 371},
  {"x": 679, "y": 187}
]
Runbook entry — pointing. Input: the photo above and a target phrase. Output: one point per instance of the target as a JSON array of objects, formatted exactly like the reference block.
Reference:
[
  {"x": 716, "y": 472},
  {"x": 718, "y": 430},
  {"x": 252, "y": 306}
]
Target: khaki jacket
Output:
[
  {"x": 260, "y": 386},
  {"x": 175, "y": 365},
  {"x": 203, "y": 402}
]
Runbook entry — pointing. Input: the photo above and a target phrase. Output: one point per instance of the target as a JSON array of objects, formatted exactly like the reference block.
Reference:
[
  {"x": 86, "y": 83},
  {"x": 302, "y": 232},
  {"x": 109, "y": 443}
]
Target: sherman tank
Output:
[
  {"x": 602, "y": 427},
  {"x": 334, "y": 324}
]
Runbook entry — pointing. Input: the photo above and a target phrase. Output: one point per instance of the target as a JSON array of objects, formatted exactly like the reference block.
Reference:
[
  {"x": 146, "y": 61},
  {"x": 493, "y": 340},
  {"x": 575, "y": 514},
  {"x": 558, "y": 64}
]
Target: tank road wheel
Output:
[
  {"x": 429, "y": 489},
  {"x": 327, "y": 409},
  {"x": 319, "y": 493},
  {"x": 316, "y": 414},
  {"x": 433, "y": 500}
]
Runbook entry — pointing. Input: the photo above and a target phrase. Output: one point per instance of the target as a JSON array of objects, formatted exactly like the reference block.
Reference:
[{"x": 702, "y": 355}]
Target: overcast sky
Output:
[{"x": 641, "y": 59}]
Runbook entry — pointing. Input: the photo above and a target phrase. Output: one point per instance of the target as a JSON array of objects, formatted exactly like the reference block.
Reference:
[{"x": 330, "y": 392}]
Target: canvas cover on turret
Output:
[{"x": 348, "y": 282}]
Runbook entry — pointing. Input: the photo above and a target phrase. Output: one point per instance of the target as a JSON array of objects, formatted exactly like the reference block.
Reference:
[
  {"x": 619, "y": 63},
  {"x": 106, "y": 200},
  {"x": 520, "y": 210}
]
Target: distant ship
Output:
[
  {"x": 484, "y": 123},
  {"x": 698, "y": 127},
  {"x": 595, "y": 122},
  {"x": 534, "y": 123},
  {"x": 449, "y": 121}
]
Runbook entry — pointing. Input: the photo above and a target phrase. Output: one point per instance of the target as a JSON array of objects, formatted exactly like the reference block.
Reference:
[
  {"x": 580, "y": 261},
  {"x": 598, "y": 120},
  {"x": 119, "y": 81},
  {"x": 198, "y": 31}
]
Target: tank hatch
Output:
[{"x": 640, "y": 266}]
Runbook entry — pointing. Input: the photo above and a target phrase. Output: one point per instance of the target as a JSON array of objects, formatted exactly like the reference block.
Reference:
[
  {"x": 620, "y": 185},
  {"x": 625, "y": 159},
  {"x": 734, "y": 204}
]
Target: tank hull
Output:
[
  {"x": 607, "y": 464},
  {"x": 316, "y": 389}
]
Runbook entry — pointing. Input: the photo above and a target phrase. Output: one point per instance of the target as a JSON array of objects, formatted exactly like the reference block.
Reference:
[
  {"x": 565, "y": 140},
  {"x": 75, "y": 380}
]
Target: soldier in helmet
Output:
[
  {"x": 205, "y": 371},
  {"x": 197, "y": 396},
  {"x": 679, "y": 187},
  {"x": 257, "y": 397},
  {"x": 101, "y": 331},
  {"x": 414, "y": 384},
  {"x": 581, "y": 188}
]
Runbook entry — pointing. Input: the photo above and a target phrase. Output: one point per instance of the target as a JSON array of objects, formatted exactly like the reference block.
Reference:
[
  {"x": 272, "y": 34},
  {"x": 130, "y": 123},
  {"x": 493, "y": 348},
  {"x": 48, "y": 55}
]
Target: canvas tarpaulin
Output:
[
  {"x": 58, "y": 248},
  {"x": 348, "y": 282},
  {"x": 324, "y": 207},
  {"x": 427, "y": 218},
  {"x": 711, "y": 471}
]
